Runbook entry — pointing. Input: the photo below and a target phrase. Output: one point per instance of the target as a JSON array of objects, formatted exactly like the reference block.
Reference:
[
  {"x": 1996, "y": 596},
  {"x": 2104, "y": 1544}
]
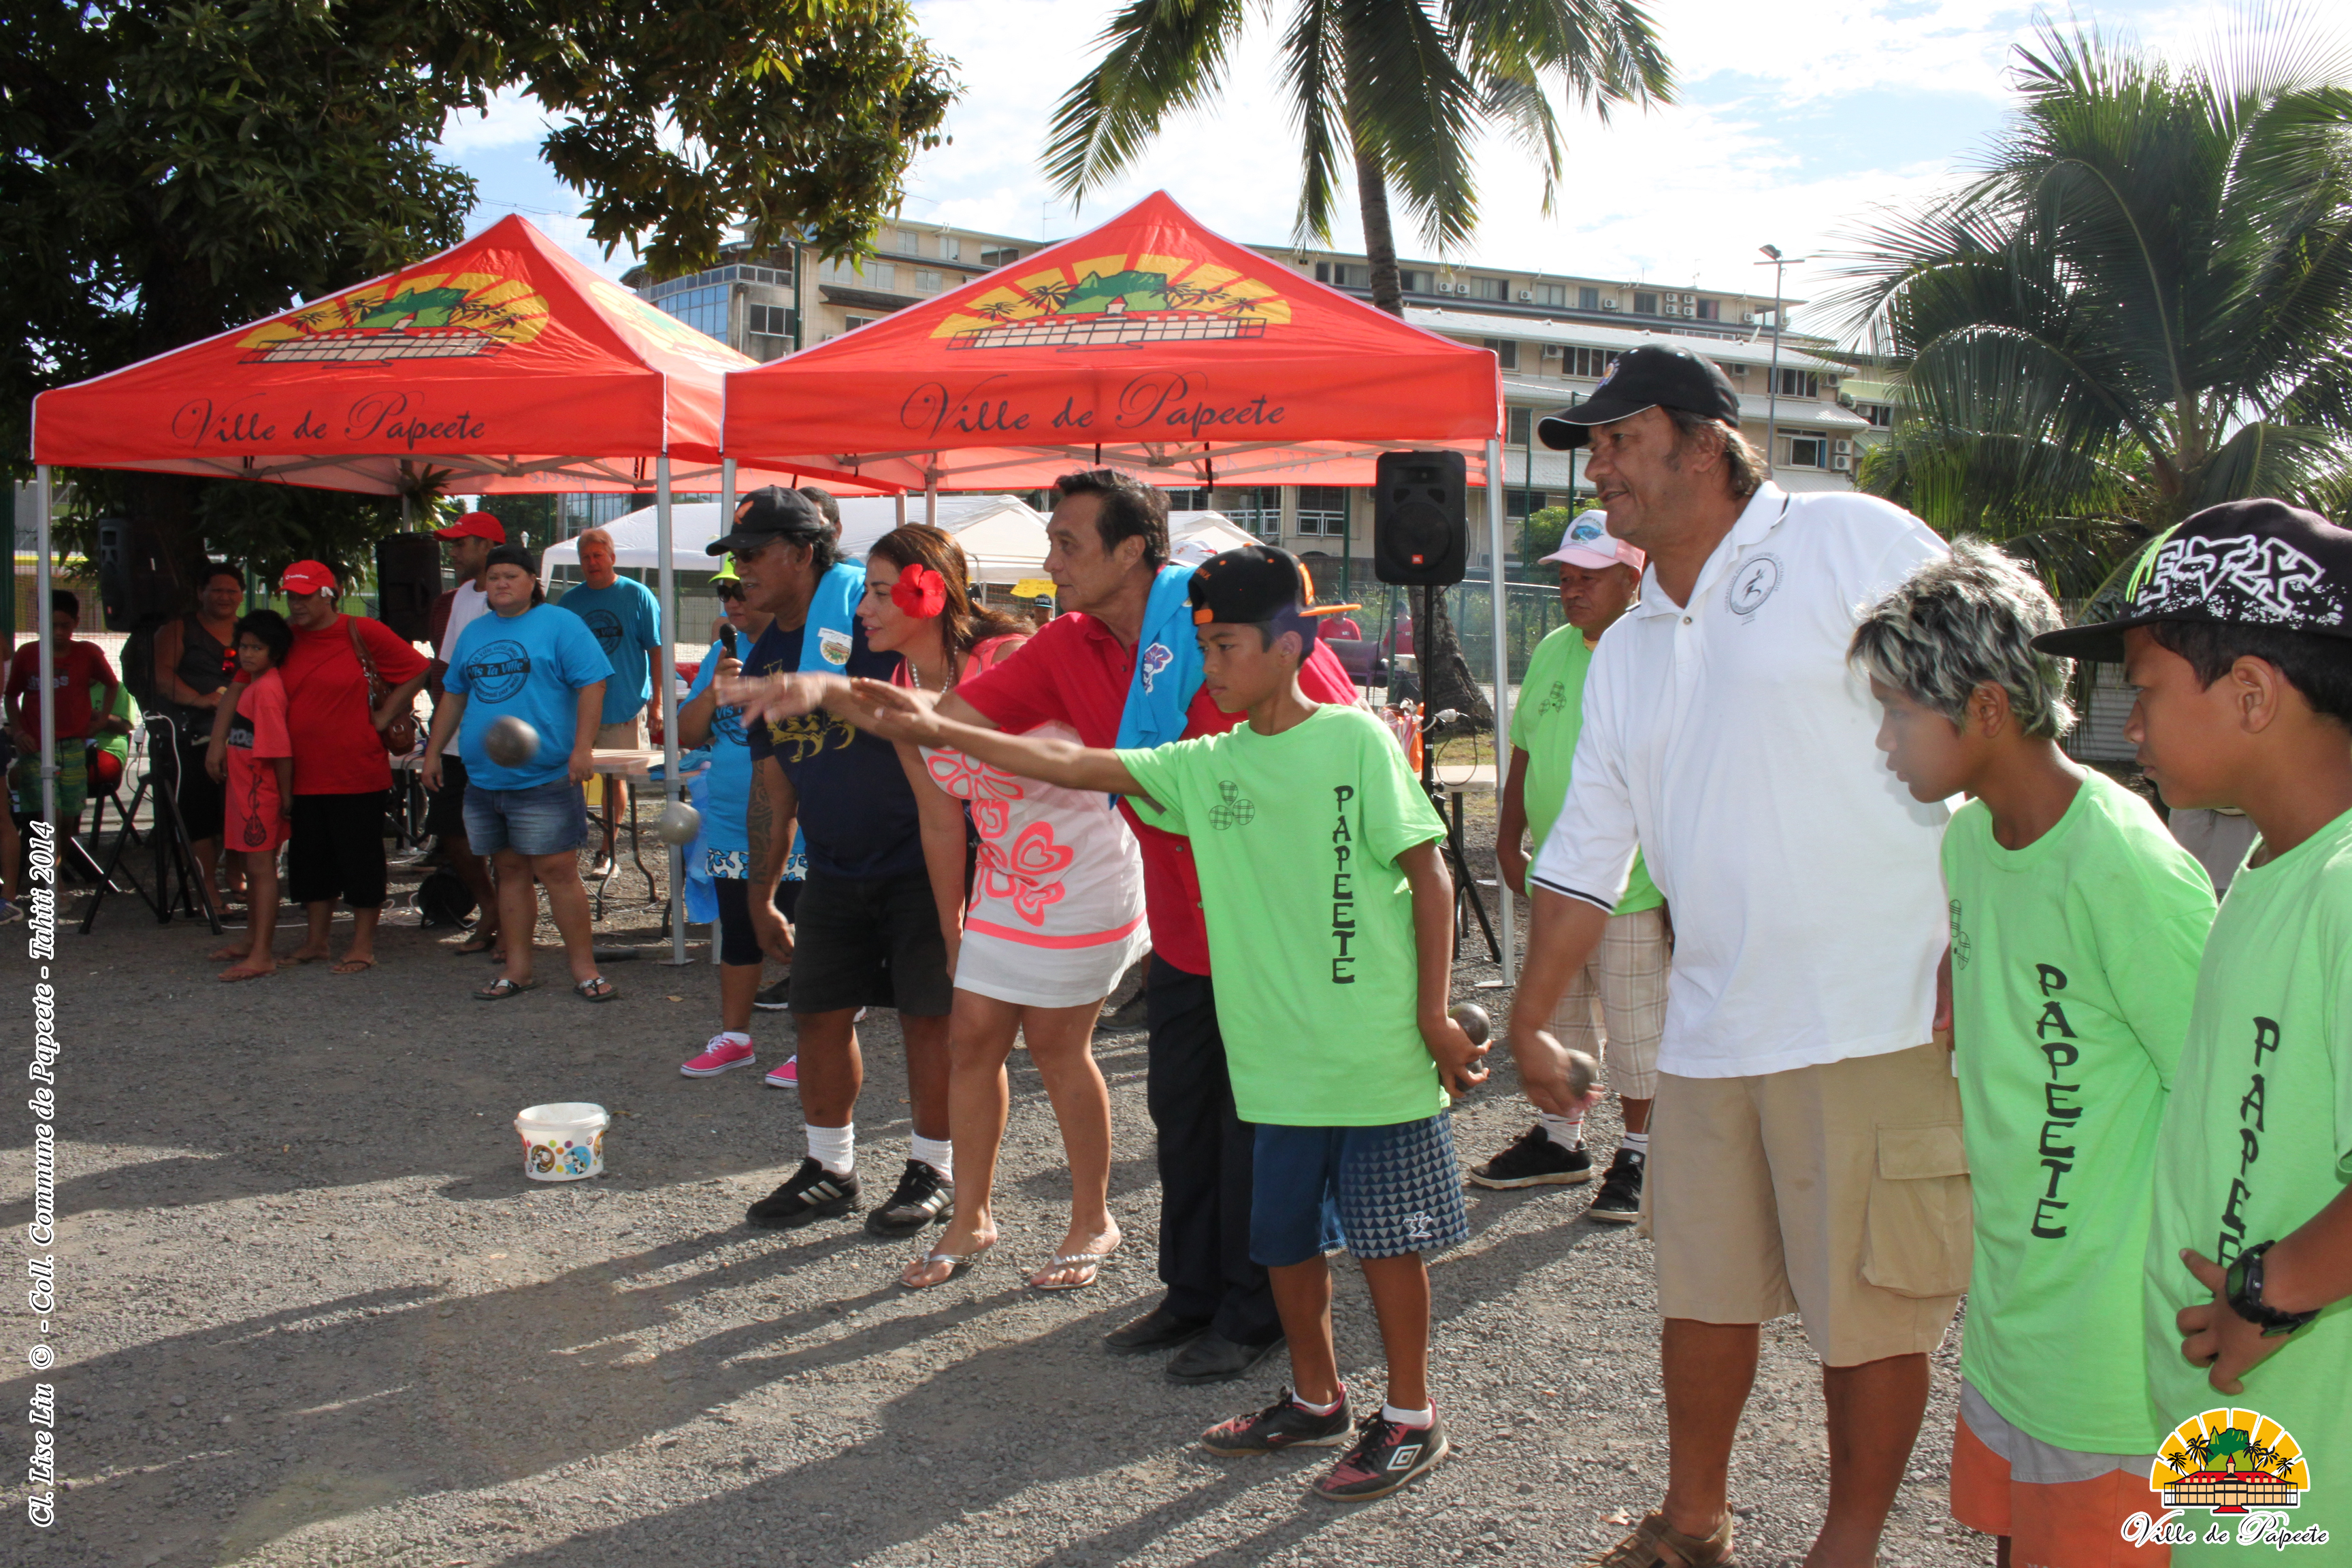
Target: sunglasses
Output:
[{"x": 728, "y": 591}]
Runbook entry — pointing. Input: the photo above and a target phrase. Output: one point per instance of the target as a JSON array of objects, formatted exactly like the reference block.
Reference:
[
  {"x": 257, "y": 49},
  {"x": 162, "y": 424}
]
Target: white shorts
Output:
[{"x": 1031, "y": 975}]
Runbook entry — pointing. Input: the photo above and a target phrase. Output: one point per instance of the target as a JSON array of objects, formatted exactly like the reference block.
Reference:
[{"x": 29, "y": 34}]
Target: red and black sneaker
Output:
[
  {"x": 1385, "y": 1457},
  {"x": 1285, "y": 1423}
]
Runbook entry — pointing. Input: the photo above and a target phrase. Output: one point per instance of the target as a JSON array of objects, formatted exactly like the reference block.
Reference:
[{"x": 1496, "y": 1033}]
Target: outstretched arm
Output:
[{"x": 897, "y": 714}]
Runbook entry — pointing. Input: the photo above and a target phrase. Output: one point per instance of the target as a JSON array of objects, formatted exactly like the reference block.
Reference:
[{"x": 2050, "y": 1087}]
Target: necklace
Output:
[{"x": 915, "y": 674}]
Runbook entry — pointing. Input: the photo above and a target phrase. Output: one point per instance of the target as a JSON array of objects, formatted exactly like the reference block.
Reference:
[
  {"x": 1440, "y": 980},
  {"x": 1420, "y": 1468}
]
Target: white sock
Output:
[
  {"x": 938, "y": 1154},
  {"x": 834, "y": 1148},
  {"x": 1314, "y": 1409},
  {"x": 1637, "y": 1142},
  {"x": 735, "y": 1038},
  {"x": 1567, "y": 1131},
  {"x": 1409, "y": 1417}
]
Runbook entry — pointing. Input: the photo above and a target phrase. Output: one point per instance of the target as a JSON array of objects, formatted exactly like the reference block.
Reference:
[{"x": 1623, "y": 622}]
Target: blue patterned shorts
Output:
[{"x": 1381, "y": 1192}]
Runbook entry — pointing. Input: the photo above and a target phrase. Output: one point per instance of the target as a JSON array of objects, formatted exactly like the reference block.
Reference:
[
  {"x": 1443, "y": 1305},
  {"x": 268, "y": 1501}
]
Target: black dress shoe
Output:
[
  {"x": 1157, "y": 1330},
  {"x": 1212, "y": 1358}
]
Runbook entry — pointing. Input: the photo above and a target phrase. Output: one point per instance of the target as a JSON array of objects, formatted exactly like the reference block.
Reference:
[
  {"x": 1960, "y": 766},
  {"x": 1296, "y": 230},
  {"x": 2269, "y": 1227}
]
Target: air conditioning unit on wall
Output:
[
  {"x": 1527, "y": 294},
  {"x": 1554, "y": 351},
  {"x": 1608, "y": 304}
]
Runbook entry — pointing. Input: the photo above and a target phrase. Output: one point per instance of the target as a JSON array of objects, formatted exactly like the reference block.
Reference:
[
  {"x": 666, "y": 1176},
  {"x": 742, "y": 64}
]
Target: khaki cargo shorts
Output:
[{"x": 1839, "y": 1192}]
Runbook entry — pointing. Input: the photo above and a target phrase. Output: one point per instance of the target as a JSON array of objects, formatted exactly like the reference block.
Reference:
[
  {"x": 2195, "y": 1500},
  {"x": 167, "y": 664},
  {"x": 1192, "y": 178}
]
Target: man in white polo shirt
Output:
[{"x": 1806, "y": 1139}]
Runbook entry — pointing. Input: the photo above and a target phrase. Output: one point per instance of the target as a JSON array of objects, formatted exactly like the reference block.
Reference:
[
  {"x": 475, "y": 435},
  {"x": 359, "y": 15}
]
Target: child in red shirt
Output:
[{"x": 260, "y": 785}]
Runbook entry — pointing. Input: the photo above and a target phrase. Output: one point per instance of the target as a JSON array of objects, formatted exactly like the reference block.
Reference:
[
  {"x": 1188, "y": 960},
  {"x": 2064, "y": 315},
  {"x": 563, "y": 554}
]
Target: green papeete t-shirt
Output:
[
  {"x": 1295, "y": 837},
  {"x": 1545, "y": 725},
  {"x": 2257, "y": 1140},
  {"x": 2073, "y": 967}
]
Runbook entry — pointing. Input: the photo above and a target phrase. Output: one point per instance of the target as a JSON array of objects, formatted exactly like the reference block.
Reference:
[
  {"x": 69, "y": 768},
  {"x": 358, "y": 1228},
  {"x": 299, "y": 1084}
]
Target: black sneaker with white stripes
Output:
[
  {"x": 1535, "y": 1160},
  {"x": 923, "y": 1197},
  {"x": 813, "y": 1192},
  {"x": 774, "y": 998},
  {"x": 1619, "y": 1201}
]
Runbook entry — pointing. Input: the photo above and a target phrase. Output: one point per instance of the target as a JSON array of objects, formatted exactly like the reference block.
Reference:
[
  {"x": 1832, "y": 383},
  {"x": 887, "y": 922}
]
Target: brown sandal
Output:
[{"x": 1656, "y": 1544}]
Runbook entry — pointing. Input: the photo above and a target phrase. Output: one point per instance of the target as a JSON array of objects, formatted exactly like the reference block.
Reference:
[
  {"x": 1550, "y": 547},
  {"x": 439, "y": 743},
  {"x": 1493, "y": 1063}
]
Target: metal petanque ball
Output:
[
  {"x": 1473, "y": 1021},
  {"x": 1583, "y": 1072},
  {"x": 678, "y": 823},
  {"x": 511, "y": 743}
]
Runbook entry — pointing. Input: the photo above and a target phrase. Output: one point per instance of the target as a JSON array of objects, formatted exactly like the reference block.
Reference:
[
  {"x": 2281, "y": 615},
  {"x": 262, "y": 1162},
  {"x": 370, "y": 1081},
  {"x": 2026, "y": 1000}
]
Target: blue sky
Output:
[{"x": 1792, "y": 121}]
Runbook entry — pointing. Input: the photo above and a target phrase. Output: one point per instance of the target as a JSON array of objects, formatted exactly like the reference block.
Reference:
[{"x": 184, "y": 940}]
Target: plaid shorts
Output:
[
  {"x": 1380, "y": 1192},
  {"x": 1623, "y": 986}
]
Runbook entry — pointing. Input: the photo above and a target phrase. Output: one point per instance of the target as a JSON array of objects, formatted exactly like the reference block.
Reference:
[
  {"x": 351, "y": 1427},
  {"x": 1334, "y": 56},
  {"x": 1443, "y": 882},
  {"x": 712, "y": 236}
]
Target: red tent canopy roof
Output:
[
  {"x": 501, "y": 361},
  {"x": 1149, "y": 343}
]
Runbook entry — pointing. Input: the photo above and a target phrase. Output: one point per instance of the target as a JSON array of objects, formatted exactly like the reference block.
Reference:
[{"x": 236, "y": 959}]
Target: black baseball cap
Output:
[
  {"x": 1651, "y": 376},
  {"x": 2243, "y": 563},
  {"x": 1253, "y": 585},
  {"x": 771, "y": 512}
]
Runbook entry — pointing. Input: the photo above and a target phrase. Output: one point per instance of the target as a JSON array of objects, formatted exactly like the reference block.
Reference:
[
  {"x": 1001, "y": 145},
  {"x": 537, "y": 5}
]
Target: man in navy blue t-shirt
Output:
[{"x": 867, "y": 928}]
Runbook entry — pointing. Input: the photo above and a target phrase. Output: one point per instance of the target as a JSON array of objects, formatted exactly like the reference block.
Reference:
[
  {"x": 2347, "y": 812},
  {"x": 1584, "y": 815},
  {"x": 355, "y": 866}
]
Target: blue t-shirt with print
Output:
[
  {"x": 627, "y": 619},
  {"x": 528, "y": 667},
  {"x": 856, "y": 809},
  {"x": 724, "y": 789}
]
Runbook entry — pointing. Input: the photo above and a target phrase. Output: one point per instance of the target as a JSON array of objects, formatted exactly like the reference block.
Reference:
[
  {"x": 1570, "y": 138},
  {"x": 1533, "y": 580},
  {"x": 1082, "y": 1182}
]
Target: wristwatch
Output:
[{"x": 2244, "y": 1291}]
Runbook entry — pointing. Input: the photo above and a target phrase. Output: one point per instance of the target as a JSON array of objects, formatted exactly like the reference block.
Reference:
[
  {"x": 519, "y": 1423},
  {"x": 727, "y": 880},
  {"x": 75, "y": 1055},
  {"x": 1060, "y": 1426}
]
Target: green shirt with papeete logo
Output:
[
  {"x": 1295, "y": 837},
  {"x": 2074, "y": 965},
  {"x": 1545, "y": 725},
  {"x": 2257, "y": 1140}
]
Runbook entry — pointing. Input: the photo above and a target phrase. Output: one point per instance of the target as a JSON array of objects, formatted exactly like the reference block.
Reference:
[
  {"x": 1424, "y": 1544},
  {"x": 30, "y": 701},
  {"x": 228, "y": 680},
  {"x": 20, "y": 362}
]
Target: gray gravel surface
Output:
[{"x": 312, "y": 1314}]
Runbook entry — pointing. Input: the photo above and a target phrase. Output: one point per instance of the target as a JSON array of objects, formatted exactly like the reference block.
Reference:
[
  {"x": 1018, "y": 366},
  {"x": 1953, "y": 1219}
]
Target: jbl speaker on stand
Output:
[
  {"x": 407, "y": 581},
  {"x": 1420, "y": 519},
  {"x": 135, "y": 584}
]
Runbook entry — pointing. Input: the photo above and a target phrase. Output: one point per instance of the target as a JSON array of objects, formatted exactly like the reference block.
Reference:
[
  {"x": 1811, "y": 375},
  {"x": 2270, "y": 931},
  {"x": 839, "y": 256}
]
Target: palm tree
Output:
[
  {"x": 1399, "y": 91},
  {"x": 2139, "y": 307}
]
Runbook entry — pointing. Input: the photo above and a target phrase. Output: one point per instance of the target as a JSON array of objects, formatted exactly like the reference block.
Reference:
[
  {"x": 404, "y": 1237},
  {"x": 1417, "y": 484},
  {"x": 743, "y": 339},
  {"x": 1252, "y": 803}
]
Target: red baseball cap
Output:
[
  {"x": 474, "y": 525},
  {"x": 308, "y": 578}
]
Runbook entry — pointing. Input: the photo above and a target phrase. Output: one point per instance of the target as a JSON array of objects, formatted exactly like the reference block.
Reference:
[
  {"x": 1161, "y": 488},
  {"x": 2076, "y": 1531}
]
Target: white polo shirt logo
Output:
[{"x": 1752, "y": 585}]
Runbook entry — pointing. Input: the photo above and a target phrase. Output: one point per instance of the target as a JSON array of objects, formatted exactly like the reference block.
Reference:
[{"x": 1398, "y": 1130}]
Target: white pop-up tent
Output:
[
  {"x": 1195, "y": 536},
  {"x": 1003, "y": 539}
]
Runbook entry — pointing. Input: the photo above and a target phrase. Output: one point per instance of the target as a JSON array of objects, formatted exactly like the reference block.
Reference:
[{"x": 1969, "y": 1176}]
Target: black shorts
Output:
[
  {"x": 870, "y": 942},
  {"x": 337, "y": 849},
  {"x": 738, "y": 945},
  {"x": 444, "y": 808}
]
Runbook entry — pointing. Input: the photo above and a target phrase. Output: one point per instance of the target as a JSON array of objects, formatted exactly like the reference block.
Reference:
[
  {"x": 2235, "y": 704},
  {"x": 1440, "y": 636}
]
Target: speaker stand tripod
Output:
[
  {"x": 1448, "y": 811},
  {"x": 167, "y": 842}
]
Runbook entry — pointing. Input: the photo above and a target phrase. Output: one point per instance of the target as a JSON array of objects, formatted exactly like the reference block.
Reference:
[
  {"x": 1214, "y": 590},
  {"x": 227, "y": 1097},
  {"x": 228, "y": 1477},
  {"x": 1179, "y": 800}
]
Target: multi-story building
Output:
[{"x": 1554, "y": 336}]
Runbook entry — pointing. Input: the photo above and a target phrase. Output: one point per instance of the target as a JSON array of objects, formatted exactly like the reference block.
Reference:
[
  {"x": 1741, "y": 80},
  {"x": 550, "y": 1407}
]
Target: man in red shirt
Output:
[
  {"x": 1108, "y": 541},
  {"x": 76, "y": 670}
]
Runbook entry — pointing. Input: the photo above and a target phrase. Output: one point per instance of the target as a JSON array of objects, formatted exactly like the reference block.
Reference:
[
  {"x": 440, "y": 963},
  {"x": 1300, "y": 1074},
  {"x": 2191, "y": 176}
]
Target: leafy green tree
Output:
[
  {"x": 175, "y": 167},
  {"x": 1541, "y": 531},
  {"x": 2139, "y": 307},
  {"x": 1396, "y": 93}
]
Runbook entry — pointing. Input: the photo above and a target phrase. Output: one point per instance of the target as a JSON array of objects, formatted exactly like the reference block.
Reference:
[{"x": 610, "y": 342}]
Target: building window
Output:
[
  {"x": 1735, "y": 371},
  {"x": 1798, "y": 383},
  {"x": 704, "y": 309},
  {"x": 1490, "y": 288},
  {"x": 1592, "y": 364},
  {"x": 1552, "y": 294},
  {"x": 927, "y": 280},
  {"x": 769, "y": 321},
  {"x": 1881, "y": 415},
  {"x": 1588, "y": 299},
  {"x": 1808, "y": 449},
  {"x": 1340, "y": 275},
  {"x": 1523, "y": 504},
  {"x": 1323, "y": 511},
  {"x": 1183, "y": 500},
  {"x": 1418, "y": 282},
  {"x": 1710, "y": 310},
  {"x": 1004, "y": 256},
  {"x": 1518, "y": 427},
  {"x": 851, "y": 323},
  {"x": 908, "y": 242},
  {"x": 880, "y": 274},
  {"x": 1505, "y": 350},
  {"x": 1645, "y": 304},
  {"x": 1256, "y": 510},
  {"x": 951, "y": 247}
]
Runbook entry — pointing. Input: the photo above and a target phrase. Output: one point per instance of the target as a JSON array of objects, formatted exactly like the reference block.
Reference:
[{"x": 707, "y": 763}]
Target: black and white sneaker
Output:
[
  {"x": 1285, "y": 1423},
  {"x": 1385, "y": 1457},
  {"x": 774, "y": 998},
  {"x": 1619, "y": 1201},
  {"x": 813, "y": 1192},
  {"x": 1535, "y": 1160},
  {"x": 924, "y": 1197}
]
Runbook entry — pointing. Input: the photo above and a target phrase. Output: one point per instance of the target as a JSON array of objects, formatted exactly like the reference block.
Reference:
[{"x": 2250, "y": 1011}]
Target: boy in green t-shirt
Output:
[
  {"x": 2238, "y": 641},
  {"x": 1330, "y": 927},
  {"x": 1626, "y": 982},
  {"x": 2077, "y": 922}
]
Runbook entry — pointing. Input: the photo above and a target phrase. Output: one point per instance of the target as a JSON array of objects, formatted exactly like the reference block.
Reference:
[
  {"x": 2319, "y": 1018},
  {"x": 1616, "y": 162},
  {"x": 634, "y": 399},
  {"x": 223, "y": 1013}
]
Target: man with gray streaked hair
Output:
[{"x": 2077, "y": 927}]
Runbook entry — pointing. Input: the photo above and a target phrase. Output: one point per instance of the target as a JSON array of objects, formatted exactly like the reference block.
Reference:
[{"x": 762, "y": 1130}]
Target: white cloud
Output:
[{"x": 514, "y": 118}]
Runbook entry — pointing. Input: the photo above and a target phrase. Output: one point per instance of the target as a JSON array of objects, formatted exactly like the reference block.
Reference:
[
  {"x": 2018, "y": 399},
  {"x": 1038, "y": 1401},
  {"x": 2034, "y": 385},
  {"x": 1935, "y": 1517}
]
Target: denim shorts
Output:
[
  {"x": 1380, "y": 1192},
  {"x": 545, "y": 819}
]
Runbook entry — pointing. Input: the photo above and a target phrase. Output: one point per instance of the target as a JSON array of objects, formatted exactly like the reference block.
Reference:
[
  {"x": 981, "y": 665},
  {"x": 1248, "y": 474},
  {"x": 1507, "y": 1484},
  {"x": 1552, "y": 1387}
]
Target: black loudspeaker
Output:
[
  {"x": 407, "y": 581},
  {"x": 1420, "y": 521},
  {"x": 136, "y": 582}
]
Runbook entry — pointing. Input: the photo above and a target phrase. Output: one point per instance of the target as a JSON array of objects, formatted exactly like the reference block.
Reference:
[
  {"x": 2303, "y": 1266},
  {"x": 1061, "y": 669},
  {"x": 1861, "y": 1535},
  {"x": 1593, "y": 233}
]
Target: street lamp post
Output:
[{"x": 1780, "y": 264}]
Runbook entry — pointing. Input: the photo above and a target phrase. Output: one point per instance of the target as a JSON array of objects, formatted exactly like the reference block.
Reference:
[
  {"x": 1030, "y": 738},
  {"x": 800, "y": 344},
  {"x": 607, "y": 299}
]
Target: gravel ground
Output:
[{"x": 312, "y": 1314}]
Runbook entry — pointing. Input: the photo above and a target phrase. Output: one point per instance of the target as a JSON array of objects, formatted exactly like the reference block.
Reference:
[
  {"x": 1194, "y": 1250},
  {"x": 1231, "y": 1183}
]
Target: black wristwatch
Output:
[{"x": 2244, "y": 1291}]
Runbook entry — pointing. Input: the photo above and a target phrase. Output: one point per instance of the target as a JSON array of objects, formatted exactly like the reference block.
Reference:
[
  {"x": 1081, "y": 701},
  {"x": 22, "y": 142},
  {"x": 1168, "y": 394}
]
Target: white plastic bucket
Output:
[{"x": 564, "y": 1141}]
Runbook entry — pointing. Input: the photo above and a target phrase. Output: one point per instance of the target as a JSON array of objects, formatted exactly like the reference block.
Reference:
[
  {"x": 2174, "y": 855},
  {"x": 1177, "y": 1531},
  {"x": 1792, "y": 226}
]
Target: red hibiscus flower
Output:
[{"x": 919, "y": 592}]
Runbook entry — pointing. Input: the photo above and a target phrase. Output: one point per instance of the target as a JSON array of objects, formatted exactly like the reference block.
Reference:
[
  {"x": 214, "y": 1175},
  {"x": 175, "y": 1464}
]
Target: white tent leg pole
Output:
[
  {"x": 902, "y": 500},
  {"x": 1502, "y": 690},
  {"x": 41, "y": 543},
  {"x": 930, "y": 506},
  {"x": 726, "y": 523},
  {"x": 668, "y": 697}
]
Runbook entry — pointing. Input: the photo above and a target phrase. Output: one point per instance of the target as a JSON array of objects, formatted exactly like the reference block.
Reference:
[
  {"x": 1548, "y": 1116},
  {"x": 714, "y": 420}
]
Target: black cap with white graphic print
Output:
[{"x": 2243, "y": 563}]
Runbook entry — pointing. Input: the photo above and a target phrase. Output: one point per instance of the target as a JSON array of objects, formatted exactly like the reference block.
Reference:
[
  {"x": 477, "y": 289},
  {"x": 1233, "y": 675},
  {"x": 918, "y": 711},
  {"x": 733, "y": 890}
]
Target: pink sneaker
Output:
[
  {"x": 717, "y": 1056},
  {"x": 787, "y": 1076}
]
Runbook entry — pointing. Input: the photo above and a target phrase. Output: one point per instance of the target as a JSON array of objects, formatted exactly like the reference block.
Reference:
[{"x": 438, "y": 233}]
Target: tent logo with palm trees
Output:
[
  {"x": 2229, "y": 1462},
  {"x": 1114, "y": 301},
  {"x": 415, "y": 316}
]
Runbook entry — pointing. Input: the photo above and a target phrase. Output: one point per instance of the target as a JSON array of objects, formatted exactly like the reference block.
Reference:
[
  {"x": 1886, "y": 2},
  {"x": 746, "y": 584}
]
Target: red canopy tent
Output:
[{"x": 500, "y": 364}]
